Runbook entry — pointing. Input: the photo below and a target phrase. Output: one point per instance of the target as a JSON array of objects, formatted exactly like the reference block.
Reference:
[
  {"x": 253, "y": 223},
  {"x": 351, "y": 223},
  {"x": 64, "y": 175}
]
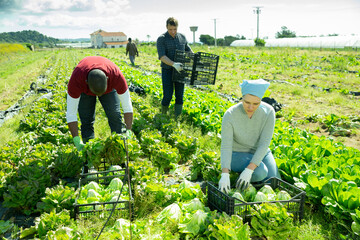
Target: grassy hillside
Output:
[
  {"x": 28, "y": 36},
  {"x": 11, "y": 48}
]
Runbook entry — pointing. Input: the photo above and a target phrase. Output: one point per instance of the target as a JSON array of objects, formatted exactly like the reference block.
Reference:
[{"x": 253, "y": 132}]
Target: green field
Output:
[{"x": 316, "y": 143}]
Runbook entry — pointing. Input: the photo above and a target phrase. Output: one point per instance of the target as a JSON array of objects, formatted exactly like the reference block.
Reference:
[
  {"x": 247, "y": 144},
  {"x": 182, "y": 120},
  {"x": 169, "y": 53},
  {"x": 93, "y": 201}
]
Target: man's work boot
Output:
[
  {"x": 164, "y": 109},
  {"x": 178, "y": 110}
]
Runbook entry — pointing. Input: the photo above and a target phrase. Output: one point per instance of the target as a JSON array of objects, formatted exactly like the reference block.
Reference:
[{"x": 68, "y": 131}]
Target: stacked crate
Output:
[{"x": 198, "y": 68}]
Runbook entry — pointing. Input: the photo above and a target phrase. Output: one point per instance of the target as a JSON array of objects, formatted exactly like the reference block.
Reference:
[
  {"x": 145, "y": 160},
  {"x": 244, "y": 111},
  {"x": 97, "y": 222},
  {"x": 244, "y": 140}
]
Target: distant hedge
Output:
[
  {"x": 6, "y": 48},
  {"x": 27, "y": 36}
]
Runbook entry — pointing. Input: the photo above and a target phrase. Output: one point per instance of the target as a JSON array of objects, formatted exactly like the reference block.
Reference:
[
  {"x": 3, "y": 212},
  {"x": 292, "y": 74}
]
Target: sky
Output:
[{"x": 146, "y": 19}]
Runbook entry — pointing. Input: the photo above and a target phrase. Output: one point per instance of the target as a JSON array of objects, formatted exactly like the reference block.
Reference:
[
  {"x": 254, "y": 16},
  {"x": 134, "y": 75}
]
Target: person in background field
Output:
[
  {"x": 246, "y": 133},
  {"x": 167, "y": 44},
  {"x": 97, "y": 77},
  {"x": 132, "y": 50}
]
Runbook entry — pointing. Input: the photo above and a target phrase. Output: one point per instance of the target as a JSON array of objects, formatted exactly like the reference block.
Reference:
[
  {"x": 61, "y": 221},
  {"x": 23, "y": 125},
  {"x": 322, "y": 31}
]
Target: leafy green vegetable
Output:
[
  {"x": 115, "y": 184},
  {"x": 110, "y": 151},
  {"x": 64, "y": 233},
  {"x": 238, "y": 197},
  {"x": 47, "y": 222},
  {"x": 58, "y": 197},
  {"x": 93, "y": 185},
  {"x": 27, "y": 186},
  {"x": 93, "y": 152},
  {"x": 193, "y": 205},
  {"x": 249, "y": 193},
  {"x": 187, "y": 145},
  {"x": 197, "y": 223},
  {"x": 267, "y": 189},
  {"x": 123, "y": 227},
  {"x": 188, "y": 191},
  {"x": 114, "y": 168},
  {"x": 341, "y": 198},
  {"x": 272, "y": 221},
  {"x": 355, "y": 225},
  {"x": 5, "y": 226},
  {"x": 92, "y": 194},
  {"x": 160, "y": 194},
  {"x": 170, "y": 213},
  {"x": 114, "y": 150},
  {"x": 260, "y": 197},
  {"x": 226, "y": 227},
  {"x": 283, "y": 195},
  {"x": 67, "y": 162}
]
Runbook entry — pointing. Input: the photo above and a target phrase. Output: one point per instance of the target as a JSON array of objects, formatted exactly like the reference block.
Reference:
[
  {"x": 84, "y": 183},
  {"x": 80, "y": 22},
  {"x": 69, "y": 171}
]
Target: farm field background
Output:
[
  {"x": 311, "y": 84},
  {"x": 310, "y": 160}
]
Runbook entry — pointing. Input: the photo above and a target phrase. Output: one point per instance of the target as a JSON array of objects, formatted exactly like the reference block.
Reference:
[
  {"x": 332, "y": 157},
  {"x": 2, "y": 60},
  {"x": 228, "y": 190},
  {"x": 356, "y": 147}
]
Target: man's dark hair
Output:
[
  {"x": 172, "y": 21},
  {"x": 129, "y": 39},
  {"x": 97, "y": 81}
]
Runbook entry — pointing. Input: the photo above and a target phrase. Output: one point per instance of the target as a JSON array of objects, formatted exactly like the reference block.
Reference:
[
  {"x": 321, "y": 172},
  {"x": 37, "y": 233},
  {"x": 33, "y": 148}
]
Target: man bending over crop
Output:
[{"x": 97, "y": 77}]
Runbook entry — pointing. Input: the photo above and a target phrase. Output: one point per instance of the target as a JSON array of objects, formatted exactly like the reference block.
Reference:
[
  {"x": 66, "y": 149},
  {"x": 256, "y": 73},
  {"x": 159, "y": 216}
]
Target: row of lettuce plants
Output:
[
  {"x": 326, "y": 170},
  {"x": 35, "y": 170}
]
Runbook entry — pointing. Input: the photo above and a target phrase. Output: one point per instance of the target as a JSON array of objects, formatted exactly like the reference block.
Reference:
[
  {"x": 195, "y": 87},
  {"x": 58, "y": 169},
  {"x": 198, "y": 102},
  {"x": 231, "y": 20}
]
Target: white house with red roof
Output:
[{"x": 103, "y": 39}]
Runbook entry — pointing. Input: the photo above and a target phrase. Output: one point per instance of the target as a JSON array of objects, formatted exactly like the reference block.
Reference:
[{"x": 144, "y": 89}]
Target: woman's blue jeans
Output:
[
  {"x": 266, "y": 169},
  {"x": 111, "y": 104},
  {"x": 169, "y": 86}
]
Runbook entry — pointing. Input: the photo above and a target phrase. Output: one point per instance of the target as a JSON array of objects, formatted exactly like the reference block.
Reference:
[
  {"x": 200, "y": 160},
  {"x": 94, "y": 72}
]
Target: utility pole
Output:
[
  {"x": 215, "y": 30},
  {"x": 257, "y": 11}
]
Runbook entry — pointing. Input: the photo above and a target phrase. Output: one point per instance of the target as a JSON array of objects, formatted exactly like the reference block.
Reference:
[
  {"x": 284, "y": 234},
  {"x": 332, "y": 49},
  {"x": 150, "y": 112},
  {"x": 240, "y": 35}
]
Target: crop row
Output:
[
  {"x": 326, "y": 170},
  {"x": 35, "y": 167}
]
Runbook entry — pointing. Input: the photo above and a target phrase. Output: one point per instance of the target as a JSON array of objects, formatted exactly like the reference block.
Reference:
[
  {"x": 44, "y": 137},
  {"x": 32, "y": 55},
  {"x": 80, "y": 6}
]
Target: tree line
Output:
[
  {"x": 30, "y": 37},
  {"x": 227, "y": 40}
]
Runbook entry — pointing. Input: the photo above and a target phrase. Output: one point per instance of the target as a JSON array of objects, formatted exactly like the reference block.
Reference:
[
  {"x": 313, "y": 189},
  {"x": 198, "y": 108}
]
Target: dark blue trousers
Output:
[
  {"x": 169, "y": 86},
  {"x": 111, "y": 104}
]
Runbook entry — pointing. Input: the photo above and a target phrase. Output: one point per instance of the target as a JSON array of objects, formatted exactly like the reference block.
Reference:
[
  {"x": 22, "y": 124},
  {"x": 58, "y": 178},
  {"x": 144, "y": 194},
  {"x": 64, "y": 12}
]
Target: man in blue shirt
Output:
[{"x": 167, "y": 44}]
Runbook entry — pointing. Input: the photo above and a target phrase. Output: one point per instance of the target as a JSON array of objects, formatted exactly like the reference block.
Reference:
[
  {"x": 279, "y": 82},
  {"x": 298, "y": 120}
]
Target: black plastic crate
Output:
[
  {"x": 222, "y": 202},
  {"x": 104, "y": 178},
  {"x": 102, "y": 175},
  {"x": 198, "y": 68}
]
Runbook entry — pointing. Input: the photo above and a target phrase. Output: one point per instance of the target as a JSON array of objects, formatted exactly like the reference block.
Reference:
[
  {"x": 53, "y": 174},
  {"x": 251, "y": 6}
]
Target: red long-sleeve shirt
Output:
[{"x": 78, "y": 85}]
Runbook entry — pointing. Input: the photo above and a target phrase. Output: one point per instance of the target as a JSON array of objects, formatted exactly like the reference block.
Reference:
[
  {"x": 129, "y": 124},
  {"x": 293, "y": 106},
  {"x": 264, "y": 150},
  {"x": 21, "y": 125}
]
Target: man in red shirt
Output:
[{"x": 97, "y": 77}]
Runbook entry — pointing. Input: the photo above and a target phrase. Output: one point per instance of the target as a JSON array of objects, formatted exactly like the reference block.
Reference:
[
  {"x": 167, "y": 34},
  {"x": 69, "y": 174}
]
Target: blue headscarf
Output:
[{"x": 254, "y": 87}]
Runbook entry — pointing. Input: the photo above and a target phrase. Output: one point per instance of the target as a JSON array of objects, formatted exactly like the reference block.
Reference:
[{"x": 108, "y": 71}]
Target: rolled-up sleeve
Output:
[
  {"x": 71, "y": 108},
  {"x": 160, "y": 45},
  {"x": 125, "y": 101}
]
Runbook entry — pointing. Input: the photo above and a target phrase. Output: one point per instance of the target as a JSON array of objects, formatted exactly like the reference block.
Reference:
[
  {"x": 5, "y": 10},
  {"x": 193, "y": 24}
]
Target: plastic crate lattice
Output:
[
  {"x": 222, "y": 202},
  {"x": 198, "y": 68}
]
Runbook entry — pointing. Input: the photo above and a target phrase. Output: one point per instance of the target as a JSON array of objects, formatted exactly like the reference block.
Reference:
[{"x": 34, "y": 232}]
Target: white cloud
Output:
[
  {"x": 47, "y": 6},
  {"x": 95, "y": 6},
  {"x": 111, "y": 7},
  {"x": 140, "y": 18}
]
